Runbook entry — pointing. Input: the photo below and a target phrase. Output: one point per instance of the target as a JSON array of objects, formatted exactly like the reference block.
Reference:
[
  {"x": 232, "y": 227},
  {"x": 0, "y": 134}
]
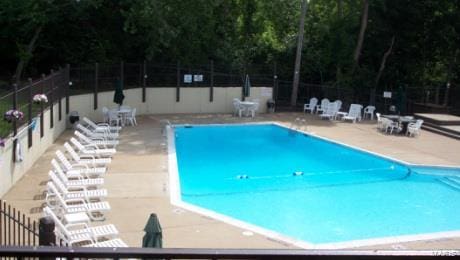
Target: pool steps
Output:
[{"x": 452, "y": 182}]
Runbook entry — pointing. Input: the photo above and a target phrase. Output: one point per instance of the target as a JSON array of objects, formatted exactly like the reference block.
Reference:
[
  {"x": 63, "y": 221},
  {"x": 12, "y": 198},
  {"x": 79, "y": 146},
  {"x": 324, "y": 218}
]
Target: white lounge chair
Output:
[
  {"x": 98, "y": 141},
  {"x": 95, "y": 210},
  {"x": 79, "y": 181},
  {"x": 321, "y": 108},
  {"x": 354, "y": 113},
  {"x": 369, "y": 111},
  {"x": 91, "y": 149},
  {"x": 86, "y": 158},
  {"x": 109, "y": 243},
  {"x": 311, "y": 105},
  {"x": 91, "y": 134},
  {"x": 413, "y": 129},
  {"x": 101, "y": 127},
  {"x": 79, "y": 169},
  {"x": 79, "y": 232},
  {"x": 77, "y": 192}
]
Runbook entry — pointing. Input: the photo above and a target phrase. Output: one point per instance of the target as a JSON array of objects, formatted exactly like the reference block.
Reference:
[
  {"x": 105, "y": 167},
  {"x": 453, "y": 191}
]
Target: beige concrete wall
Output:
[
  {"x": 158, "y": 101},
  {"x": 11, "y": 172},
  {"x": 163, "y": 101}
]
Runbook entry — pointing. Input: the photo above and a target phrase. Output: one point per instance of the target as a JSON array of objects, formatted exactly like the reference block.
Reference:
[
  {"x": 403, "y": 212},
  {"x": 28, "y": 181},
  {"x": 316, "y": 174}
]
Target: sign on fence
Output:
[
  {"x": 187, "y": 78},
  {"x": 198, "y": 78},
  {"x": 387, "y": 94}
]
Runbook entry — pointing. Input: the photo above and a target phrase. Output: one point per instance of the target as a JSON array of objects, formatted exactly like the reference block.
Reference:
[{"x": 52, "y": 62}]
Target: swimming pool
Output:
[{"x": 310, "y": 190}]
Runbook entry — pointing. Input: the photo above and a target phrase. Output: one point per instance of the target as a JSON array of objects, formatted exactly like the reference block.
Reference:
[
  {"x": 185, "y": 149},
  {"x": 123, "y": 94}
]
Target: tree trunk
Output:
[
  {"x": 381, "y": 69},
  {"x": 24, "y": 60},
  {"x": 362, "y": 31},
  {"x": 449, "y": 77},
  {"x": 295, "y": 84}
]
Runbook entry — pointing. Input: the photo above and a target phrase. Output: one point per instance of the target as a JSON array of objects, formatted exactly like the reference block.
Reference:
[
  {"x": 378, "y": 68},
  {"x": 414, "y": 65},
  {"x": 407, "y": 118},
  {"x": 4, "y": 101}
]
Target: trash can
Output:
[
  {"x": 270, "y": 106},
  {"x": 73, "y": 118}
]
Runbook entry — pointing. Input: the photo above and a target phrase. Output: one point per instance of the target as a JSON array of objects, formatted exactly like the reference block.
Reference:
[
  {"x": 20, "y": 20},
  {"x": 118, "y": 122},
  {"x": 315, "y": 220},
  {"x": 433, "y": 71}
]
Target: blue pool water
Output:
[{"x": 248, "y": 172}]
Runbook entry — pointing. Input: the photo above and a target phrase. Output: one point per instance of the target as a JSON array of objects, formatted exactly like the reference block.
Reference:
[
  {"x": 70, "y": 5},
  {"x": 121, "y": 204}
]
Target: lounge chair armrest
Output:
[{"x": 73, "y": 225}]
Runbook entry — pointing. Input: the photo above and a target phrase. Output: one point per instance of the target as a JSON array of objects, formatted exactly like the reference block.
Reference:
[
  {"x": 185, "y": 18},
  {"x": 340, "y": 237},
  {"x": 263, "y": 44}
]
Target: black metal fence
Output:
[
  {"x": 20, "y": 98},
  {"x": 189, "y": 253},
  {"x": 15, "y": 228}
]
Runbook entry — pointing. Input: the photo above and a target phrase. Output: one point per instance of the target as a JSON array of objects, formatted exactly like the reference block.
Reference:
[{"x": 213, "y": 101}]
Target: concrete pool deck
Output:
[{"x": 137, "y": 180}]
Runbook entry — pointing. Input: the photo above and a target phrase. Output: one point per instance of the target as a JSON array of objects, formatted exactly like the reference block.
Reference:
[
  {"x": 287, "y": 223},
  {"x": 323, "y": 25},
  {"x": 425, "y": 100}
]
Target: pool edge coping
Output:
[{"x": 176, "y": 200}]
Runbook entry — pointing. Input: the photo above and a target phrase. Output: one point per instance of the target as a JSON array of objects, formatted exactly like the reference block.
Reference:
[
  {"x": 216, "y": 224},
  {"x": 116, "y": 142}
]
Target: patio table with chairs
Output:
[
  {"x": 401, "y": 124},
  {"x": 121, "y": 116}
]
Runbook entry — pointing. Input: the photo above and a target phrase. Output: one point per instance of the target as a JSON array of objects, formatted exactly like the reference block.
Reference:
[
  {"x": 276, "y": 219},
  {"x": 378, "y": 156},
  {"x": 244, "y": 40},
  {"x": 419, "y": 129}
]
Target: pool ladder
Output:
[
  {"x": 165, "y": 123},
  {"x": 299, "y": 124}
]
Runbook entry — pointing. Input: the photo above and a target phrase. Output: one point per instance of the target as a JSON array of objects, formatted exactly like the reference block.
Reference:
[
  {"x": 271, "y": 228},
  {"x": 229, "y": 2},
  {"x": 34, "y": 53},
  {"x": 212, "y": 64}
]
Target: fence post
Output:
[
  {"x": 59, "y": 96},
  {"x": 211, "y": 88},
  {"x": 96, "y": 84},
  {"x": 67, "y": 90},
  {"x": 178, "y": 82},
  {"x": 52, "y": 100},
  {"x": 29, "y": 110},
  {"x": 122, "y": 74},
  {"x": 15, "y": 124},
  {"x": 275, "y": 82},
  {"x": 46, "y": 236},
  {"x": 42, "y": 115},
  {"x": 144, "y": 80}
]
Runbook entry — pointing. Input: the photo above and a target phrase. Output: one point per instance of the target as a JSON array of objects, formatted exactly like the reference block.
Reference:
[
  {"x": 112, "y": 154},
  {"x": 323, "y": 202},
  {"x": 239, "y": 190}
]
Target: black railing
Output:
[
  {"x": 174, "y": 253},
  {"x": 15, "y": 228}
]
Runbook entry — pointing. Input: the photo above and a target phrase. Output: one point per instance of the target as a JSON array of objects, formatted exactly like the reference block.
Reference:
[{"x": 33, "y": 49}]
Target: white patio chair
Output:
[
  {"x": 369, "y": 111},
  {"x": 87, "y": 159},
  {"x": 77, "y": 170},
  {"x": 98, "y": 141},
  {"x": 131, "y": 117},
  {"x": 321, "y": 108},
  {"x": 413, "y": 129},
  {"x": 379, "y": 122},
  {"x": 238, "y": 110},
  {"x": 105, "y": 114},
  {"x": 390, "y": 126},
  {"x": 95, "y": 210},
  {"x": 77, "y": 192},
  {"x": 91, "y": 134},
  {"x": 253, "y": 109},
  {"x": 80, "y": 232},
  {"x": 330, "y": 111},
  {"x": 78, "y": 183},
  {"x": 100, "y": 127},
  {"x": 92, "y": 149},
  {"x": 311, "y": 105},
  {"x": 114, "y": 118},
  {"x": 354, "y": 113}
]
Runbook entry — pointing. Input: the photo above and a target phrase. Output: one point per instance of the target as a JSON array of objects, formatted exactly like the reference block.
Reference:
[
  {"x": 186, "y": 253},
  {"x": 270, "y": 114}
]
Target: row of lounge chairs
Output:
[
  {"x": 75, "y": 195},
  {"x": 331, "y": 110}
]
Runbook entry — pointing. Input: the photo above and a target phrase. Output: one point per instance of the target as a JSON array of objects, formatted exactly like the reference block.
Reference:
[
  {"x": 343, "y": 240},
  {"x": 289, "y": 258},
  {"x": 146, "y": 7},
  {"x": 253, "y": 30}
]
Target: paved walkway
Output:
[{"x": 138, "y": 180}]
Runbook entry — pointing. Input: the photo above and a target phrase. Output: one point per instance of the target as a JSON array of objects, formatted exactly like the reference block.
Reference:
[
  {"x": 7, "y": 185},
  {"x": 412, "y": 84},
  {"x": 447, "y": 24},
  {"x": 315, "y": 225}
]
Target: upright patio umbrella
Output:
[
  {"x": 118, "y": 97},
  {"x": 246, "y": 87},
  {"x": 401, "y": 100},
  {"x": 153, "y": 236}
]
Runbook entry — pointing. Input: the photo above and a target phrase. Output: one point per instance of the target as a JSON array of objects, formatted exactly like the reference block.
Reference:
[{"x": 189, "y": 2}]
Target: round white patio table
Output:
[{"x": 247, "y": 105}]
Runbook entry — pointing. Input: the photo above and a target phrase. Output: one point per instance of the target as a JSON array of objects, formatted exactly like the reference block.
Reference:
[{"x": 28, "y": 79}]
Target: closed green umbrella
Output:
[
  {"x": 118, "y": 97},
  {"x": 153, "y": 236},
  {"x": 247, "y": 87}
]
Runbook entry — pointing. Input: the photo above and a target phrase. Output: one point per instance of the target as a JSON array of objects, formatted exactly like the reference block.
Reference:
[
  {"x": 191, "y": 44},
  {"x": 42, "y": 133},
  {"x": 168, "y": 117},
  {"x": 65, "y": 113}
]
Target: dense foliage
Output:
[{"x": 420, "y": 37}]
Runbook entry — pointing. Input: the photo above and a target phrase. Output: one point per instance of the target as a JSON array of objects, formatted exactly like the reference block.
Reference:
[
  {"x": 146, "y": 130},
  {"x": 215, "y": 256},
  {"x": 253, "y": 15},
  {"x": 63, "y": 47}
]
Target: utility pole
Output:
[{"x": 295, "y": 84}]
